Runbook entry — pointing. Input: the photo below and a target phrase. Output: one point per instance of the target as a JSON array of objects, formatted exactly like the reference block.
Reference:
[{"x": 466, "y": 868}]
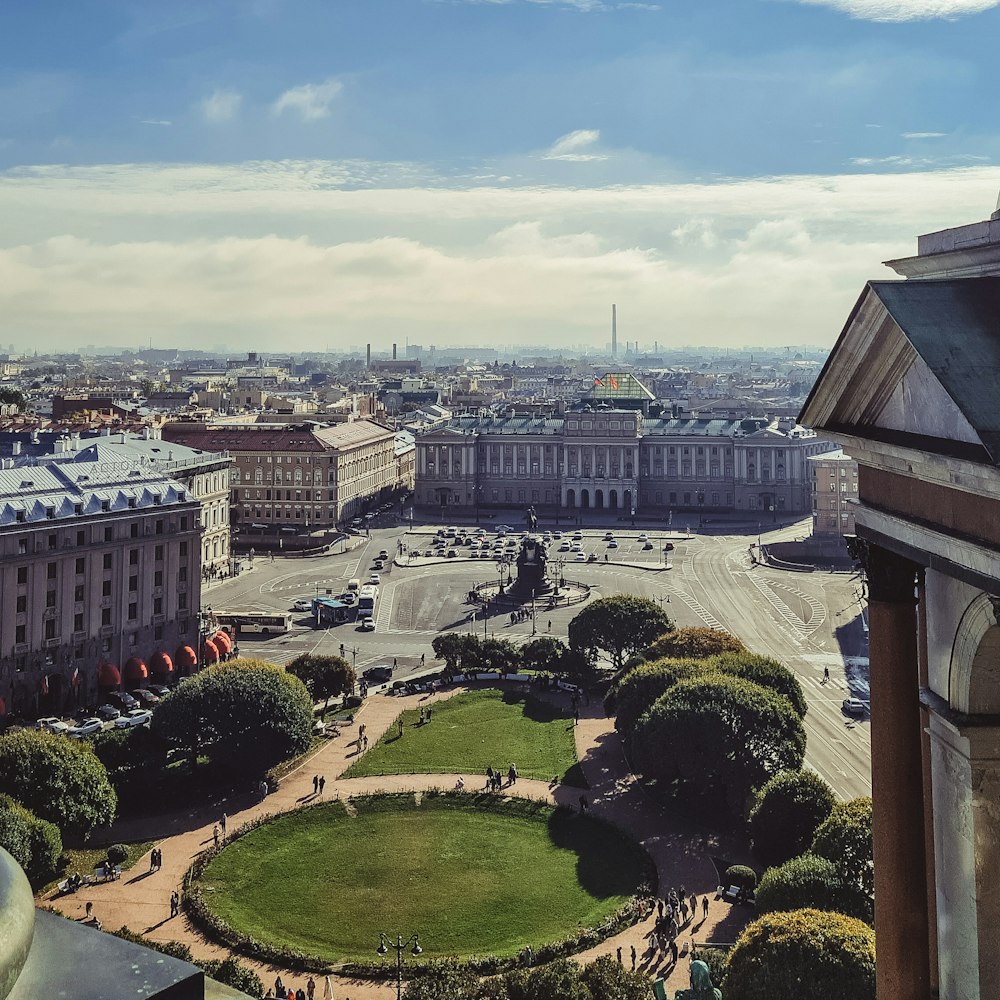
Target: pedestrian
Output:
[
  {"x": 550, "y": 624},
  {"x": 89, "y": 910},
  {"x": 97, "y": 924},
  {"x": 512, "y": 774},
  {"x": 826, "y": 675},
  {"x": 422, "y": 655},
  {"x": 315, "y": 784},
  {"x": 311, "y": 988},
  {"x": 430, "y": 708},
  {"x": 673, "y": 951},
  {"x": 300, "y": 994},
  {"x": 576, "y": 716},
  {"x": 704, "y": 906},
  {"x": 322, "y": 783},
  {"x": 583, "y": 804},
  {"x": 215, "y": 834},
  {"x": 684, "y": 912},
  {"x": 489, "y": 777},
  {"x": 222, "y": 823},
  {"x": 152, "y": 860},
  {"x": 421, "y": 715},
  {"x": 659, "y": 909},
  {"x": 394, "y": 663},
  {"x": 291, "y": 994},
  {"x": 400, "y": 728},
  {"x": 694, "y": 906},
  {"x": 632, "y": 952},
  {"x": 618, "y": 952},
  {"x": 672, "y": 928},
  {"x": 175, "y": 903},
  {"x": 365, "y": 744}
]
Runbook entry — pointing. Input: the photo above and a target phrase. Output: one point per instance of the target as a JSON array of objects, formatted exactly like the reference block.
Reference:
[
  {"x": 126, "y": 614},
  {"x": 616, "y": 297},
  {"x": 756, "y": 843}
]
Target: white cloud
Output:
[
  {"x": 154, "y": 121},
  {"x": 576, "y": 147},
  {"x": 311, "y": 101},
  {"x": 313, "y": 252},
  {"x": 924, "y": 135},
  {"x": 906, "y": 10},
  {"x": 221, "y": 105}
]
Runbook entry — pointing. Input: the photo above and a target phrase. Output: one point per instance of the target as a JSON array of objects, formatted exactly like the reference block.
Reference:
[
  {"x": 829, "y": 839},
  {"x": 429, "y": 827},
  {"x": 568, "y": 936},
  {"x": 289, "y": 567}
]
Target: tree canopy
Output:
[
  {"x": 718, "y": 736},
  {"x": 845, "y": 838},
  {"x": 620, "y": 625},
  {"x": 325, "y": 677},
  {"x": 762, "y": 670},
  {"x": 457, "y": 649},
  {"x": 789, "y": 808},
  {"x": 810, "y": 880},
  {"x": 544, "y": 653},
  {"x": 633, "y": 692},
  {"x": 35, "y": 844},
  {"x": 245, "y": 713},
  {"x": 807, "y": 954},
  {"x": 59, "y": 780},
  {"x": 690, "y": 643}
]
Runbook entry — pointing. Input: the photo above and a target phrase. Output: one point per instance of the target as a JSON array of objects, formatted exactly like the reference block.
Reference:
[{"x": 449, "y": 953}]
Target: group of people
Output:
[
  {"x": 425, "y": 714},
  {"x": 319, "y": 783},
  {"x": 673, "y": 912},
  {"x": 287, "y": 993},
  {"x": 155, "y": 859},
  {"x": 494, "y": 778},
  {"x": 521, "y": 615}
]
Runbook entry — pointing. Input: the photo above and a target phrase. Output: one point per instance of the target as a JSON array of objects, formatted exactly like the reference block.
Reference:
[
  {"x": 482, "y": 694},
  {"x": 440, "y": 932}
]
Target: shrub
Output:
[
  {"x": 788, "y": 810},
  {"x": 691, "y": 643},
  {"x": 57, "y": 779},
  {"x": 232, "y": 972},
  {"x": 806, "y": 954},
  {"x": 175, "y": 949},
  {"x": 635, "y": 691},
  {"x": 764, "y": 671},
  {"x": 34, "y": 843},
  {"x": 845, "y": 838},
  {"x": 117, "y": 854},
  {"x": 811, "y": 881},
  {"x": 743, "y": 876}
]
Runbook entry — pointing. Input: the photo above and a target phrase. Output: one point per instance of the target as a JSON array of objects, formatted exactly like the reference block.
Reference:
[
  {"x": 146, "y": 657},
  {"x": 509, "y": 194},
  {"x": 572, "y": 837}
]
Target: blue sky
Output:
[{"x": 463, "y": 169}]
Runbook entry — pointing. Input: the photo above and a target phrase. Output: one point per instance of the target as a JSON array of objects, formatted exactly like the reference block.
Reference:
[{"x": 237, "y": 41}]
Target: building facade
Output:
[
  {"x": 303, "y": 476},
  {"x": 835, "y": 493},
  {"x": 618, "y": 460},
  {"x": 100, "y": 565}
]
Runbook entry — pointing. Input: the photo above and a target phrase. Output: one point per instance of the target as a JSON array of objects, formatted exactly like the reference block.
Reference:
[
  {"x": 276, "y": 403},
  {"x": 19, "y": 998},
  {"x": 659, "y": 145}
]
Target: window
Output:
[
  {"x": 78, "y": 592},
  {"x": 133, "y": 557},
  {"x": 107, "y": 560},
  {"x": 22, "y": 574},
  {"x": 106, "y": 588},
  {"x": 20, "y": 633},
  {"x": 22, "y": 603},
  {"x": 50, "y": 599},
  {"x": 51, "y": 569},
  {"x": 133, "y": 583},
  {"x": 105, "y": 616},
  {"x": 182, "y": 601},
  {"x": 133, "y": 611},
  {"x": 157, "y": 605},
  {"x": 159, "y": 526},
  {"x": 50, "y": 628},
  {"x": 109, "y": 532},
  {"x": 78, "y": 622},
  {"x": 81, "y": 566},
  {"x": 158, "y": 553},
  {"x": 158, "y": 578},
  {"x": 133, "y": 530},
  {"x": 53, "y": 541},
  {"x": 184, "y": 548}
]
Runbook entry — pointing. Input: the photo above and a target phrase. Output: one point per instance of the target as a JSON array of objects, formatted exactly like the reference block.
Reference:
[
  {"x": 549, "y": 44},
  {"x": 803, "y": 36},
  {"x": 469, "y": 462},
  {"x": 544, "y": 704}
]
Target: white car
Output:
[
  {"x": 564, "y": 546},
  {"x": 85, "y": 728},
  {"x": 643, "y": 537},
  {"x": 576, "y": 547},
  {"x": 52, "y": 725},
  {"x": 302, "y": 604},
  {"x": 134, "y": 717},
  {"x": 368, "y": 624},
  {"x": 557, "y": 534},
  {"x": 581, "y": 557},
  {"x": 577, "y": 536},
  {"x": 451, "y": 532},
  {"x": 374, "y": 580},
  {"x": 609, "y": 536},
  {"x": 855, "y": 706}
]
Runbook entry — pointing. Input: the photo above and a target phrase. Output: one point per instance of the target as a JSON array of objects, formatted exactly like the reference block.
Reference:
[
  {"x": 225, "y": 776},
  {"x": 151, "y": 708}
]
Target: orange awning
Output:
[
  {"x": 160, "y": 664},
  {"x": 222, "y": 640},
  {"x": 186, "y": 657},
  {"x": 108, "y": 675},
  {"x": 135, "y": 669},
  {"x": 211, "y": 652}
]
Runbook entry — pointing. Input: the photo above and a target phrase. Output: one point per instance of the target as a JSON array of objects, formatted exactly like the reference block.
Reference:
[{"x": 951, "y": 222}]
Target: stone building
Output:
[
  {"x": 302, "y": 476},
  {"x": 910, "y": 391},
  {"x": 835, "y": 492},
  {"x": 100, "y": 571}
]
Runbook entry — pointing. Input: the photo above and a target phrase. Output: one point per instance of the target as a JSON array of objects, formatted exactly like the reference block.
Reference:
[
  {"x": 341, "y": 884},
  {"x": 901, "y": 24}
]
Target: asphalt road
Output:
[{"x": 807, "y": 620}]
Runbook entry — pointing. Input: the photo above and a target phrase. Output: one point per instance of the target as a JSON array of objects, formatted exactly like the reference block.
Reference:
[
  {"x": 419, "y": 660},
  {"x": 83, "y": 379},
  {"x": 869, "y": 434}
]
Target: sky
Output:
[{"x": 280, "y": 175}]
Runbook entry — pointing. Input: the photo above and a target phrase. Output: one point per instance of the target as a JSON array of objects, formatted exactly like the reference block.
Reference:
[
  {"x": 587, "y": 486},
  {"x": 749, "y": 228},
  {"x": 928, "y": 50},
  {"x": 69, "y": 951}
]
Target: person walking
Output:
[
  {"x": 400, "y": 728},
  {"x": 673, "y": 951},
  {"x": 826, "y": 675},
  {"x": 222, "y": 823},
  {"x": 489, "y": 778},
  {"x": 632, "y": 952},
  {"x": 512, "y": 775},
  {"x": 322, "y": 783},
  {"x": 315, "y": 784},
  {"x": 89, "y": 909},
  {"x": 704, "y": 906},
  {"x": 619, "y": 954},
  {"x": 215, "y": 834},
  {"x": 311, "y": 988},
  {"x": 694, "y": 906},
  {"x": 175, "y": 903}
]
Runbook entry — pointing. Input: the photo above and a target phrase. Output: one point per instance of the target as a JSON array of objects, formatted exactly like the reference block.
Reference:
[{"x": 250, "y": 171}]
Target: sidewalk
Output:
[{"x": 141, "y": 899}]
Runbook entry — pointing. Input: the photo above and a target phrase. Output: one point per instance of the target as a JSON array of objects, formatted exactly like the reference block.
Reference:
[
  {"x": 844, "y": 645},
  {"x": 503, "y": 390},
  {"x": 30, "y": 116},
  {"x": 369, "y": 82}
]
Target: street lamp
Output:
[{"x": 384, "y": 945}]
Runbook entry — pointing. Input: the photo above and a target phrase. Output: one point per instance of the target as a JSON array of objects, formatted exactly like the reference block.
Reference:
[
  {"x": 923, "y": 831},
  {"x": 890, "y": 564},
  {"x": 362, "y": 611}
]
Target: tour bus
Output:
[
  {"x": 247, "y": 622},
  {"x": 366, "y": 601}
]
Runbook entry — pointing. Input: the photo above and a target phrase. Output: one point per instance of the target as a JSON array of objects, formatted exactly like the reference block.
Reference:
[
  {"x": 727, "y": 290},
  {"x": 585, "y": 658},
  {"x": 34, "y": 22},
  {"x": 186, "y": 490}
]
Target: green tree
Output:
[
  {"x": 788, "y": 810},
  {"x": 35, "y": 844},
  {"x": 764, "y": 671},
  {"x": 458, "y": 650},
  {"x": 245, "y": 714},
  {"x": 718, "y": 737},
  {"x": 8, "y": 395},
  {"x": 620, "y": 626},
  {"x": 499, "y": 655},
  {"x": 57, "y": 779},
  {"x": 810, "y": 880},
  {"x": 691, "y": 643},
  {"x": 129, "y": 754},
  {"x": 805, "y": 954},
  {"x": 845, "y": 838},
  {"x": 325, "y": 677},
  {"x": 235, "y": 974},
  {"x": 633, "y": 692},
  {"x": 543, "y": 653},
  {"x": 607, "y": 980}
]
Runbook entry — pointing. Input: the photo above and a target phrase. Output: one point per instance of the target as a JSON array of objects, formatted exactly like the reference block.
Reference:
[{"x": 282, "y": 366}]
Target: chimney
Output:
[
  {"x": 393, "y": 352},
  {"x": 368, "y": 357},
  {"x": 15, "y": 448},
  {"x": 614, "y": 330}
]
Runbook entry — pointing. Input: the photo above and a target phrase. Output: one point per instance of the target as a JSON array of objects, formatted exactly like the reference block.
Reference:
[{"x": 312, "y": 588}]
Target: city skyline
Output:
[{"x": 309, "y": 175}]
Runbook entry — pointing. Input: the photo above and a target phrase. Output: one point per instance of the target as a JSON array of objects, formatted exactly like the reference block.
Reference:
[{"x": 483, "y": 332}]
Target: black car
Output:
[
  {"x": 159, "y": 690},
  {"x": 122, "y": 700},
  {"x": 377, "y": 675},
  {"x": 146, "y": 698}
]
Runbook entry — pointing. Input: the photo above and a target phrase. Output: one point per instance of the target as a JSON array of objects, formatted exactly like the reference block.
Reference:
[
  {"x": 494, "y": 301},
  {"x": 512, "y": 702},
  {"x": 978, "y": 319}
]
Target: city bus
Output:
[
  {"x": 247, "y": 622},
  {"x": 366, "y": 601}
]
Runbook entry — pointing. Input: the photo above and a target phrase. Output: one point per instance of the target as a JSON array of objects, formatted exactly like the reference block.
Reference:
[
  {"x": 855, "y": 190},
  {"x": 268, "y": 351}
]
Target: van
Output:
[{"x": 354, "y": 585}]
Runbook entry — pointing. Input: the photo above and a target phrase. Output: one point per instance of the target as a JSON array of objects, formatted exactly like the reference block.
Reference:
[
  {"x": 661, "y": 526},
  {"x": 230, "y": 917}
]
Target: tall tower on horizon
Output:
[{"x": 614, "y": 330}]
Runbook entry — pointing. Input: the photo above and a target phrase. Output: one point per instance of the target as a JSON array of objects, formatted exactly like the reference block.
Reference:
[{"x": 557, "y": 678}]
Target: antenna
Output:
[{"x": 614, "y": 330}]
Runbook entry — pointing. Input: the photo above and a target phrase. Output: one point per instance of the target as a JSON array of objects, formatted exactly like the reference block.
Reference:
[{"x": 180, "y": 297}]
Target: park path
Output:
[{"x": 141, "y": 898}]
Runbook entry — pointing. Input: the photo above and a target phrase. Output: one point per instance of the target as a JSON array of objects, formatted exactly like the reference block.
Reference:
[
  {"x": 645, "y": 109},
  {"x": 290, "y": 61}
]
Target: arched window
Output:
[{"x": 298, "y": 477}]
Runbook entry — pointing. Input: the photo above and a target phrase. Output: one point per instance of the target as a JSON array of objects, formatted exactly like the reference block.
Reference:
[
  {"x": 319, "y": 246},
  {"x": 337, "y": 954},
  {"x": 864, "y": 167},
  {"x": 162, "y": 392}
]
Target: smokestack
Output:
[
  {"x": 368, "y": 361},
  {"x": 614, "y": 330},
  {"x": 393, "y": 352}
]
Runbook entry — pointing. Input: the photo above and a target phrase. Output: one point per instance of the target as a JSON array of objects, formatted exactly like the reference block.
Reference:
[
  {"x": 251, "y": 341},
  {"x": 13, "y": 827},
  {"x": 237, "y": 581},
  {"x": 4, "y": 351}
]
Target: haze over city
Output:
[{"x": 322, "y": 174}]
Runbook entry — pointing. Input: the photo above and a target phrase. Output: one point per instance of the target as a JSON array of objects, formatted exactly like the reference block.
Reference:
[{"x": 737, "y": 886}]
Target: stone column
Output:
[{"x": 901, "y": 924}]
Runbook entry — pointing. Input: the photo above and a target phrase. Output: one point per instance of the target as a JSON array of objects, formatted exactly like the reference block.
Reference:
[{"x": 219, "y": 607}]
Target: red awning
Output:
[
  {"x": 222, "y": 640},
  {"x": 211, "y": 652},
  {"x": 135, "y": 669},
  {"x": 185, "y": 658},
  {"x": 160, "y": 664},
  {"x": 108, "y": 675}
]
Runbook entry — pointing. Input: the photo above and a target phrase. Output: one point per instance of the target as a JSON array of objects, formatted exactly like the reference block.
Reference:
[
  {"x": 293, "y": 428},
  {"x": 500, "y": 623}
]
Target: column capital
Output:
[{"x": 891, "y": 578}]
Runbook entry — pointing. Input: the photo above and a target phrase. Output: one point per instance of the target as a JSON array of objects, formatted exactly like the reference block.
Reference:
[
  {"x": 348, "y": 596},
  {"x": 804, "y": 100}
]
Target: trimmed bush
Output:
[
  {"x": 845, "y": 838},
  {"x": 743, "y": 876},
  {"x": 766, "y": 672},
  {"x": 788, "y": 810},
  {"x": 34, "y": 843},
  {"x": 117, "y": 854},
  {"x": 692, "y": 643},
  {"x": 634, "y": 692},
  {"x": 806, "y": 954},
  {"x": 811, "y": 881}
]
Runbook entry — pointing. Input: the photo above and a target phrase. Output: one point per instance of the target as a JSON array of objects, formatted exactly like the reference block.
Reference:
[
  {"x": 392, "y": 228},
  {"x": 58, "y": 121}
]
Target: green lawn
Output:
[
  {"x": 476, "y": 730},
  {"x": 472, "y": 874}
]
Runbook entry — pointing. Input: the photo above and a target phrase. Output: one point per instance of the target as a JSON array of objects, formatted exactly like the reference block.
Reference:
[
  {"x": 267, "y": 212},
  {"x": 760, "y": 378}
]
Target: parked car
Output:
[
  {"x": 564, "y": 546},
  {"x": 608, "y": 535},
  {"x": 146, "y": 698},
  {"x": 52, "y": 725},
  {"x": 577, "y": 547},
  {"x": 592, "y": 557},
  {"x": 452, "y": 553},
  {"x": 855, "y": 706},
  {"x": 134, "y": 717},
  {"x": 302, "y": 604},
  {"x": 107, "y": 712},
  {"x": 86, "y": 727},
  {"x": 428, "y": 553},
  {"x": 160, "y": 690},
  {"x": 378, "y": 675},
  {"x": 647, "y": 546},
  {"x": 643, "y": 537},
  {"x": 368, "y": 624},
  {"x": 612, "y": 544},
  {"x": 581, "y": 557},
  {"x": 668, "y": 547},
  {"x": 577, "y": 536},
  {"x": 122, "y": 700}
]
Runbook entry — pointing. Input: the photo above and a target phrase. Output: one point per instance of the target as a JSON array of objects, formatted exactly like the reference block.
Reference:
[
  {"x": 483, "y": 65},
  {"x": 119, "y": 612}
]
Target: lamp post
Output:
[{"x": 385, "y": 944}]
